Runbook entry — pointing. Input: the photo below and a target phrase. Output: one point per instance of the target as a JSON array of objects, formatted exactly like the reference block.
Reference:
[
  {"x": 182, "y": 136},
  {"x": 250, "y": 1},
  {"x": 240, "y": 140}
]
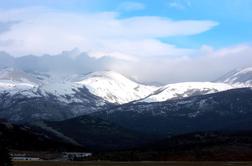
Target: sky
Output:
[{"x": 153, "y": 41}]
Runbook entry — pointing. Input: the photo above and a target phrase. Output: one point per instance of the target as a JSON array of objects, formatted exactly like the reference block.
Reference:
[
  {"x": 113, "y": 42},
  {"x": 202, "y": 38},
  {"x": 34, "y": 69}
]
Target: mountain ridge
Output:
[
  {"x": 222, "y": 110},
  {"x": 238, "y": 77},
  {"x": 77, "y": 95}
]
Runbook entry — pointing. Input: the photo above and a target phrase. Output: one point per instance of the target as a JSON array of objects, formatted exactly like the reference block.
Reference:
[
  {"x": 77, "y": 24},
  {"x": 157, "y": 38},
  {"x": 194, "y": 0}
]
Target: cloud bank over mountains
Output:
[
  {"x": 207, "y": 65},
  {"x": 133, "y": 46}
]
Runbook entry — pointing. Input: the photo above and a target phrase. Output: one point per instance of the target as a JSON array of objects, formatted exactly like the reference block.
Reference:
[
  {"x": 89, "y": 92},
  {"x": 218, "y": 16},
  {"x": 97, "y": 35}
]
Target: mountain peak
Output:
[
  {"x": 238, "y": 77},
  {"x": 15, "y": 75},
  {"x": 185, "y": 89},
  {"x": 107, "y": 74},
  {"x": 245, "y": 70},
  {"x": 114, "y": 87}
]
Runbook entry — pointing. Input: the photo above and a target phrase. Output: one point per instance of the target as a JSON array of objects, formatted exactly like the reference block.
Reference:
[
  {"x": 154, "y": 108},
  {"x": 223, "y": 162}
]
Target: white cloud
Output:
[
  {"x": 207, "y": 64},
  {"x": 135, "y": 41},
  {"x": 39, "y": 31},
  {"x": 131, "y": 6},
  {"x": 179, "y": 4}
]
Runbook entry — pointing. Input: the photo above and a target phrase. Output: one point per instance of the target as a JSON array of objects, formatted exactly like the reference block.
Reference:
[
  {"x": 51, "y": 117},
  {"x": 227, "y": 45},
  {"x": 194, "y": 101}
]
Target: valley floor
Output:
[{"x": 65, "y": 163}]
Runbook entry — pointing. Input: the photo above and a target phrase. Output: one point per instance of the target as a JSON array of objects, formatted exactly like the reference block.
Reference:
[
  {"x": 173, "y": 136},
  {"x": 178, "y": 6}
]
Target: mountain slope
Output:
[
  {"x": 15, "y": 81},
  {"x": 223, "y": 110},
  {"x": 97, "y": 134},
  {"x": 115, "y": 88},
  {"x": 108, "y": 85},
  {"x": 234, "y": 79},
  {"x": 20, "y": 108},
  {"x": 186, "y": 89},
  {"x": 26, "y": 137},
  {"x": 238, "y": 77},
  {"x": 26, "y": 97}
]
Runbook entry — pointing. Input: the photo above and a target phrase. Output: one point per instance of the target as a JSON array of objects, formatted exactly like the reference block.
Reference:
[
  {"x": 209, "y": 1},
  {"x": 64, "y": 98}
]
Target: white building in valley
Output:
[
  {"x": 75, "y": 155},
  {"x": 23, "y": 157}
]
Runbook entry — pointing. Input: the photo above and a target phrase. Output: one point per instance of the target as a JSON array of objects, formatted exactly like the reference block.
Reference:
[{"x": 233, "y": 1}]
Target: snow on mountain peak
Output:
[
  {"x": 185, "y": 89},
  {"x": 15, "y": 80},
  {"x": 245, "y": 70},
  {"x": 15, "y": 75},
  {"x": 238, "y": 77},
  {"x": 109, "y": 75},
  {"x": 115, "y": 87},
  {"x": 112, "y": 86}
]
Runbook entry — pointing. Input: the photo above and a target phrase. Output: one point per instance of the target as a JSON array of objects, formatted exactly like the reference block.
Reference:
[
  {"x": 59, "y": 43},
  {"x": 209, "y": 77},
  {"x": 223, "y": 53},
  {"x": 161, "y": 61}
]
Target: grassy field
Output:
[{"x": 59, "y": 163}]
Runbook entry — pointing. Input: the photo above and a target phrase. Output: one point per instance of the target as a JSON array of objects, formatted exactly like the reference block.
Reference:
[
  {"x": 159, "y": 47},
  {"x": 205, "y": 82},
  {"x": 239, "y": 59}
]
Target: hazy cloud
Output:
[
  {"x": 179, "y": 4},
  {"x": 132, "y": 46},
  {"x": 5, "y": 26},
  {"x": 44, "y": 31},
  {"x": 131, "y": 6},
  {"x": 207, "y": 64}
]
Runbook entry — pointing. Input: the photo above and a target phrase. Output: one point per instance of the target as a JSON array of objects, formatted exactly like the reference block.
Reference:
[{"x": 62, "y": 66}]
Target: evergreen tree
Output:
[{"x": 5, "y": 158}]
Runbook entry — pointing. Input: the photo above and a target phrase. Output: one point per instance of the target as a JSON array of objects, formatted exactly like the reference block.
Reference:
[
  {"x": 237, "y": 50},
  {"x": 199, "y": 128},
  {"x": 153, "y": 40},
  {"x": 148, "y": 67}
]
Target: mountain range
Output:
[
  {"x": 105, "y": 110},
  {"x": 227, "y": 110},
  {"x": 77, "y": 95}
]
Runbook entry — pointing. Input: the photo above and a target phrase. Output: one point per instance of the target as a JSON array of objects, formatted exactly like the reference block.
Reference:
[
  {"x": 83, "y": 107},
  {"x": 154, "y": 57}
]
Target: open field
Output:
[{"x": 61, "y": 163}]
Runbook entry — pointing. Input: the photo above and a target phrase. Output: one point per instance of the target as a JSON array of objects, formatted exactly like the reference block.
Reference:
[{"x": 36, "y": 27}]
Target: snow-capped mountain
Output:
[
  {"x": 238, "y": 77},
  {"x": 115, "y": 87},
  {"x": 35, "y": 95},
  {"x": 111, "y": 86},
  {"x": 108, "y": 85},
  {"x": 15, "y": 81},
  {"x": 185, "y": 89},
  {"x": 231, "y": 109},
  {"x": 26, "y": 96},
  {"x": 34, "y": 84},
  {"x": 235, "y": 79}
]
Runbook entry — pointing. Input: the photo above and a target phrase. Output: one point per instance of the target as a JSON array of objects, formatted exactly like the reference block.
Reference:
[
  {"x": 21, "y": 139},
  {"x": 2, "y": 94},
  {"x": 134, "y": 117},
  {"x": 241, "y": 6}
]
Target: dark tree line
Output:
[{"x": 5, "y": 158}]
